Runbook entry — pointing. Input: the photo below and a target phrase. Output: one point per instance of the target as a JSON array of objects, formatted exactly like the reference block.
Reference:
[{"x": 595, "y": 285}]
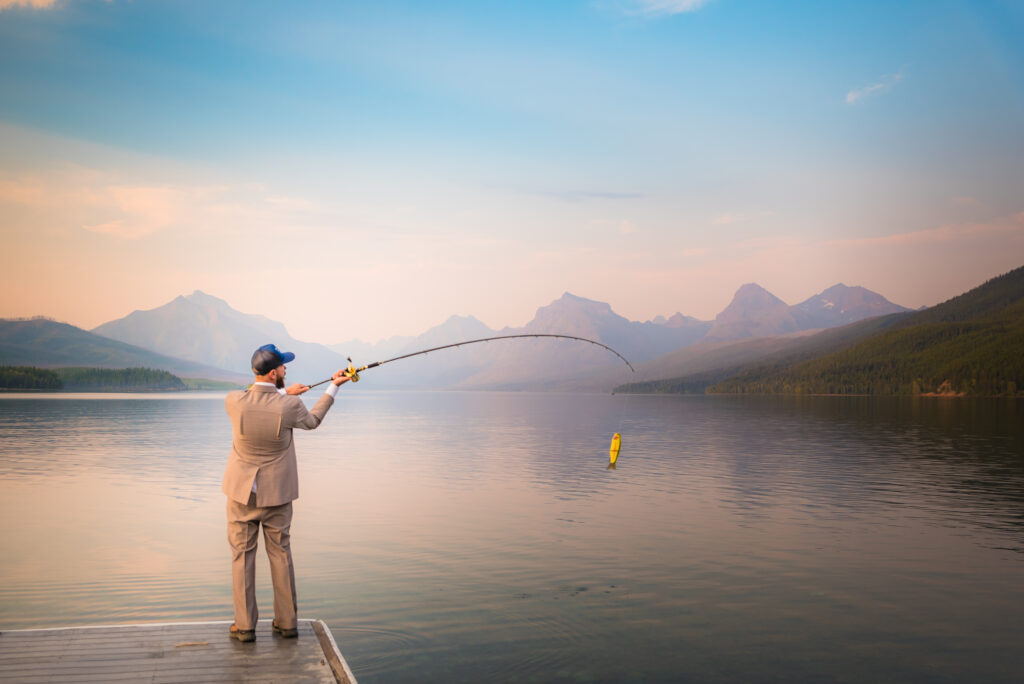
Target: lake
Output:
[{"x": 463, "y": 537}]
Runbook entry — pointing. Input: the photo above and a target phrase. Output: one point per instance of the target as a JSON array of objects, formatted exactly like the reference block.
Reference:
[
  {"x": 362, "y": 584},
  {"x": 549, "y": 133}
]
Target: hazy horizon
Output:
[
  {"x": 367, "y": 171},
  {"x": 392, "y": 335}
]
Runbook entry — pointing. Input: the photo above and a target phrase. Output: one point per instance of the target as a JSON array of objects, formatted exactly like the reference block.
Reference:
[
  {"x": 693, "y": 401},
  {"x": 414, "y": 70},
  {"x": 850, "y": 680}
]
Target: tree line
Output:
[
  {"x": 970, "y": 345},
  {"x": 89, "y": 379},
  {"x": 29, "y": 378},
  {"x": 980, "y": 358}
]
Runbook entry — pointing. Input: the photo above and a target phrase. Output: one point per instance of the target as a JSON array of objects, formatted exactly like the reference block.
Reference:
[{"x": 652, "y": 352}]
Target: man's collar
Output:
[{"x": 264, "y": 386}]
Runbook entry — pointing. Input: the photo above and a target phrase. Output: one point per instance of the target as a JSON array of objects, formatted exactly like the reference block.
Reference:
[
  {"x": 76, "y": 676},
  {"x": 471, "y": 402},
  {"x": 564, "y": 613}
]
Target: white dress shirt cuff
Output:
[{"x": 332, "y": 389}]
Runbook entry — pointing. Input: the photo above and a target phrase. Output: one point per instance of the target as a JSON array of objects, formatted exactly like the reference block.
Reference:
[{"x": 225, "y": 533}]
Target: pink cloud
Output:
[
  {"x": 728, "y": 218},
  {"x": 660, "y": 7},
  {"x": 101, "y": 203},
  {"x": 964, "y": 231},
  {"x": 27, "y": 191},
  {"x": 36, "y": 4},
  {"x": 771, "y": 242},
  {"x": 116, "y": 228}
]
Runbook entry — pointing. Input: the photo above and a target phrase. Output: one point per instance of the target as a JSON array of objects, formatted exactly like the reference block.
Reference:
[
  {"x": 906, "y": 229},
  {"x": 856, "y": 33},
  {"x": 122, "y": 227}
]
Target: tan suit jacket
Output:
[{"x": 262, "y": 448}]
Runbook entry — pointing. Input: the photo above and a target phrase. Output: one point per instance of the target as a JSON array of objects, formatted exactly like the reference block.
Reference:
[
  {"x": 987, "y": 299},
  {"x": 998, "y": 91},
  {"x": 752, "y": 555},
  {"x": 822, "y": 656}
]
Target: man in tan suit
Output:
[{"x": 261, "y": 481}]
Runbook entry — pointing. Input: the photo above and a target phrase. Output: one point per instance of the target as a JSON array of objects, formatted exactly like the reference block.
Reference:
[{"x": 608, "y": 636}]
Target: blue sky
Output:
[{"x": 425, "y": 159}]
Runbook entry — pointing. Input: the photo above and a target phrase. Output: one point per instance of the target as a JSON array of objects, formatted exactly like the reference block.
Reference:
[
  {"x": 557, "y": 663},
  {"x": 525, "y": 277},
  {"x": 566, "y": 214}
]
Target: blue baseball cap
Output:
[{"x": 268, "y": 357}]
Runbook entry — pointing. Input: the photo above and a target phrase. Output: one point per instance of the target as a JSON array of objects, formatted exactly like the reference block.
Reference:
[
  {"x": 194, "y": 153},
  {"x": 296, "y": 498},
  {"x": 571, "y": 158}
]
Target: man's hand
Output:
[
  {"x": 340, "y": 378},
  {"x": 297, "y": 388}
]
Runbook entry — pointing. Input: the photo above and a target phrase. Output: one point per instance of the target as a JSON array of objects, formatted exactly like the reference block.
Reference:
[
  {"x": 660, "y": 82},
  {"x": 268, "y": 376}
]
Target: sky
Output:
[{"x": 367, "y": 169}]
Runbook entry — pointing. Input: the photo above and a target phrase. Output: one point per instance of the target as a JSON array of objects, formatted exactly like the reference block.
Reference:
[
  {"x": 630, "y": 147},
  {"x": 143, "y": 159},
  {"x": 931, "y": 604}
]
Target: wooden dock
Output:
[{"x": 171, "y": 652}]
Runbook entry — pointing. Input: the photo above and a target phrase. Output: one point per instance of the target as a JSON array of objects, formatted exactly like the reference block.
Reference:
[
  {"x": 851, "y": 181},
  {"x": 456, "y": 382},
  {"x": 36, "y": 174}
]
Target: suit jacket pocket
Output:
[{"x": 260, "y": 426}]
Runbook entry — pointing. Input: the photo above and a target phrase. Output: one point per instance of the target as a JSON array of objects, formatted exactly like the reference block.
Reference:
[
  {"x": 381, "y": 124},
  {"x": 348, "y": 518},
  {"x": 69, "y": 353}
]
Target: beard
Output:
[{"x": 279, "y": 382}]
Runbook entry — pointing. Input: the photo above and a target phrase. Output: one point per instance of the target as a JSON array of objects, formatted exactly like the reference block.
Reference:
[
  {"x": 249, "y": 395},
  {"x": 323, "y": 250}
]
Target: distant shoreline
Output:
[
  {"x": 21, "y": 390},
  {"x": 116, "y": 380},
  {"x": 925, "y": 395}
]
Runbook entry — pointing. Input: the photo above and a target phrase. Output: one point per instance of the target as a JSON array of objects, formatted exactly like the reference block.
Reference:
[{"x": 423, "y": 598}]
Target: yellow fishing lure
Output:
[{"x": 613, "y": 450}]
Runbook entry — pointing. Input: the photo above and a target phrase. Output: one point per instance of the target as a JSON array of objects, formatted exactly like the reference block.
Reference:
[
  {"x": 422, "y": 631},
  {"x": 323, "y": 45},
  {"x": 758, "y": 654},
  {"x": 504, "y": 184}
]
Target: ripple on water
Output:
[
  {"x": 381, "y": 644},
  {"x": 454, "y": 537}
]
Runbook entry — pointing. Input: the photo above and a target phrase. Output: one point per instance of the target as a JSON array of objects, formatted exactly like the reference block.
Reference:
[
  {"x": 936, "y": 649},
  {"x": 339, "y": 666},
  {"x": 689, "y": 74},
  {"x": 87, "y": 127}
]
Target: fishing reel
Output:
[{"x": 350, "y": 372}]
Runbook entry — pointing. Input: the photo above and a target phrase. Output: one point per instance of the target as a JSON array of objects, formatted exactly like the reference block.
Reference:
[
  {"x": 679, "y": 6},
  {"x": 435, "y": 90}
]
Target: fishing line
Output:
[
  {"x": 613, "y": 450},
  {"x": 616, "y": 445},
  {"x": 353, "y": 372}
]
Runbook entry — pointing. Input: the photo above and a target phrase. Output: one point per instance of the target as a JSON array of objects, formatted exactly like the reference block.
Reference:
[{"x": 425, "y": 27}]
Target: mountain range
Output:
[
  {"x": 50, "y": 344},
  {"x": 755, "y": 312},
  {"x": 568, "y": 366},
  {"x": 971, "y": 345},
  {"x": 203, "y": 331}
]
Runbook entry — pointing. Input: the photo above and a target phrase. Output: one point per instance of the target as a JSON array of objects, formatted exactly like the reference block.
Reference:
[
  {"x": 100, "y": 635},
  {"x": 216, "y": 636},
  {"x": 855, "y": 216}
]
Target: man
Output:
[{"x": 261, "y": 481}]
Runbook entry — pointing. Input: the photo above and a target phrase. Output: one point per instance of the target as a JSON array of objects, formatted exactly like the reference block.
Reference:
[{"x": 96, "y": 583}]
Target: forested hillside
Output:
[
  {"x": 970, "y": 345},
  {"x": 89, "y": 379},
  {"x": 755, "y": 356},
  {"x": 44, "y": 343},
  {"x": 119, "y": 379},
  {"x": 28, "y": 378}
]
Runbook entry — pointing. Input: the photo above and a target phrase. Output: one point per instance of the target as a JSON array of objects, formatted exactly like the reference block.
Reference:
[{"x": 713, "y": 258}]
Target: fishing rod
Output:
[{"x": 353, "y": 373}]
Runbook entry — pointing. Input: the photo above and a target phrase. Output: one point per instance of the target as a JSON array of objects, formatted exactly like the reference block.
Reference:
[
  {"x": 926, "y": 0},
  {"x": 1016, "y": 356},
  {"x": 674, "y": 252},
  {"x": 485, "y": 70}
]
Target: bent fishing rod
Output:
[{"x": 353, "y": 373}]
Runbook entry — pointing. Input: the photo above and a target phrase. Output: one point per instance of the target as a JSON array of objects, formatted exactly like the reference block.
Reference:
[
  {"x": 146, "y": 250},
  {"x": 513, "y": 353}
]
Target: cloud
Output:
[
  {"x": 1013, "y": 224},
  {"x": 116, "y": 228},
  {"x": 583, "y": 195},
  {"x": 772, "y": 242},
  {"x": 143, "y": 209},
  {"x": 627, "y": 227},
  {"x": 887, "y": 83},
  {"x": 36, "y": 4},
  {"x": 102, "y": 202},
  {"x": 124, "y": 211},
  {"x": 663, "y": 7},
  {"x": 286, "y": 203},
  {"x": 727, "y": 218},
  {"x": 28, "y": 191},
  {"x": 963, "y": 201},
  {"x": 695, "y": 251}
]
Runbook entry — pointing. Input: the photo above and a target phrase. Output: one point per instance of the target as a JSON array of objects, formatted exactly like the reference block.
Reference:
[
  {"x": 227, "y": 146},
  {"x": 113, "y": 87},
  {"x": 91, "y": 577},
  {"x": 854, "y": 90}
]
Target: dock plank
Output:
[{"x": 171, "y": 652}]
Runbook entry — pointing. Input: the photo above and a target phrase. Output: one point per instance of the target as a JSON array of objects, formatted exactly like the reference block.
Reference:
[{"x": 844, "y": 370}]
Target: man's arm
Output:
[{"x": 310, "y": 419}]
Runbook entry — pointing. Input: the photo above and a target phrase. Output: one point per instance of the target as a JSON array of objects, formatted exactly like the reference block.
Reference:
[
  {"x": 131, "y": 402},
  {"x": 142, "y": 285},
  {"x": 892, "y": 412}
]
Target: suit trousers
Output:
[{"x": 244, "y": 522}]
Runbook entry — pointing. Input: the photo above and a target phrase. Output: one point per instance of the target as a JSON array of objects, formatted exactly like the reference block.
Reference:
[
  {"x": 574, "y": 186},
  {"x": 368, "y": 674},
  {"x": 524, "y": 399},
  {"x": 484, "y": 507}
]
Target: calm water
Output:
[{"x": 473, "y": 536}]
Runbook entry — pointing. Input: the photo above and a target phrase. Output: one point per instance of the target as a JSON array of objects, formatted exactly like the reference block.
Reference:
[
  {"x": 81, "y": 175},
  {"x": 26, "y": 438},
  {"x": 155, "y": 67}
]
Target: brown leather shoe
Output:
[
  {"x": 286, "y": 632},
  {"x": 243, "y": 635}
]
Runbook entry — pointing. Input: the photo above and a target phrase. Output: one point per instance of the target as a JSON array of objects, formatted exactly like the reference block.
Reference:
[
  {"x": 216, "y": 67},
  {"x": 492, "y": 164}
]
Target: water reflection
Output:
[{"x": 475, "y": 536}]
